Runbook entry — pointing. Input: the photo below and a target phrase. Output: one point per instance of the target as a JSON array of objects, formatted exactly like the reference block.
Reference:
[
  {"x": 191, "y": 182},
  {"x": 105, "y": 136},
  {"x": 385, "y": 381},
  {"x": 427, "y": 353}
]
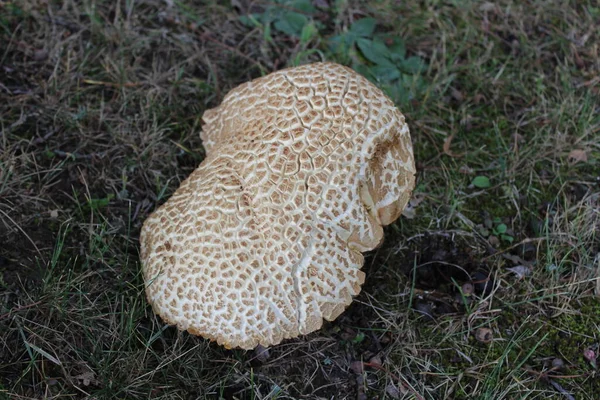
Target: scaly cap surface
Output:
[{"x": 264, "y": 239}]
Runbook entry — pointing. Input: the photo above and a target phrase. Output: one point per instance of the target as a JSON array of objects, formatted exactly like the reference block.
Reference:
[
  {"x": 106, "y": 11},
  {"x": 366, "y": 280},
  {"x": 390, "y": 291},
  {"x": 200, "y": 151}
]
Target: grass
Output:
[{"x": 100, "y": 106}]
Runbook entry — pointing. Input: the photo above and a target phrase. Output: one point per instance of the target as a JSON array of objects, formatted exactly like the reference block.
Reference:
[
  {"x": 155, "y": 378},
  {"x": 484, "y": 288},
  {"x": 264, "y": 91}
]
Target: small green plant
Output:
[
  {"x": 359, "y": 338},
  {"x": 293, "y": 18},
  {"x": 500, "y": 230},
  {"x": 97, "y": 203},
  {"x": 381, "y": 58},
  {"x": 481, "y": 182},
  {"x": 494, "y": 227}
]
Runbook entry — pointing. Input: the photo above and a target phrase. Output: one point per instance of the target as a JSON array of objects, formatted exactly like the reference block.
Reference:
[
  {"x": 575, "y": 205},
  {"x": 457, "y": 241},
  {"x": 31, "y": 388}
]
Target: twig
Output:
[
  {"x": 524, "y": 241},
  {"x": 562, "y": 390},
  {"x": 42, "y": 139},
  {"x": 14, "y": 310},
  {"x": 111, "y": 84},
  {"x": 548, "y": 374},
  {"x": 66, "y": 154}
]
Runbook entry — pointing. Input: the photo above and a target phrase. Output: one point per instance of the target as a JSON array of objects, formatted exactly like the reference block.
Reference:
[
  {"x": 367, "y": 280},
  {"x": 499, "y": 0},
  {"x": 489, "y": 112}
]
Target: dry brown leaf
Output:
[
  {"x": 410, "y": 211},
  {"x": 357, "y": 367},
  {"x": 478, "y": 98},
  {"x": 466, "y": 170},
  {"x": 446, "y": 147},
  {"x": 86, "y": 378},
  {"x": 392, "y": 391},
  {"x": 457, "y": 95},
  {"x": 577, "y": 155},
  {"x": 488, "y": 6},
  {"x": 484, "y": 335},
  {"x": 520, "y": 271},
  {"x": 517, "y": 139}
]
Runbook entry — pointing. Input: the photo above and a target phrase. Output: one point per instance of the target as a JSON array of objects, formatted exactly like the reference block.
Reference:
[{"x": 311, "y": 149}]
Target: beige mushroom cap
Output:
[{"x": 264, "y": 239}]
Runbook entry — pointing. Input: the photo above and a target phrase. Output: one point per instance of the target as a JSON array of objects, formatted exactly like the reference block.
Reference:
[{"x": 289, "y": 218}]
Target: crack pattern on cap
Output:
[{"x": 264, "y": 240}]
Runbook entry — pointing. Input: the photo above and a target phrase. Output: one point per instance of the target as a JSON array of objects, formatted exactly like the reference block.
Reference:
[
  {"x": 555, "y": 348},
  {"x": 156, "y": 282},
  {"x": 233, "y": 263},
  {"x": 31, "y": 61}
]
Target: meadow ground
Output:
[{"x": 487, "y": 288}]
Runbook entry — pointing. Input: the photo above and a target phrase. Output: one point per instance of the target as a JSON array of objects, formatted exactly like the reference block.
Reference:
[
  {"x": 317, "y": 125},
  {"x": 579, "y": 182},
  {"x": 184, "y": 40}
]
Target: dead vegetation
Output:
[{"x": 489, "y": 289}]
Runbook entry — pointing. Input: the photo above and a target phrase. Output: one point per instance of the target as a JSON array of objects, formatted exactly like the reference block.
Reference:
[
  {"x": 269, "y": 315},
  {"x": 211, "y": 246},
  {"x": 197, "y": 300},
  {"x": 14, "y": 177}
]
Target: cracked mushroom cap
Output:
[{"x": 264, "y": 240}]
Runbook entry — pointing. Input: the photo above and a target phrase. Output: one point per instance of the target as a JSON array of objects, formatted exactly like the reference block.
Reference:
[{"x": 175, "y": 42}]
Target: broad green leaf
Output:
[
  {"x": 363, "y": 70},
  {"x": 385, "y": 73},
  {"x": 363, "y": 27},
  {"x": 349, "y": 39},
  {"x": 303, "y": 5},
  {"x": 501, "y": 228},
  {"x": 401, "y": 92},
  {"x": 302, "y": 56},
  {"x": 412, "y": 65},
  {"x": 481, "y": 182},
  {"x": 507, "y": 238},
  {"x": 397, "y": 50},
  {"x": 309, "y": 31},
  {"x": 375, "y": 51},
  {"x": 249, "y": 20},
  {"x": 338, "y": 46},
  {"x": 291, "y": 23}
]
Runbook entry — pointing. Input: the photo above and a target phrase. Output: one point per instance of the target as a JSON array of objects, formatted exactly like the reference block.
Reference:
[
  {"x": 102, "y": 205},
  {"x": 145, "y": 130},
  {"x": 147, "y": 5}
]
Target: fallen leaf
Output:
[
  {"x": 392, "y": 391},
  {"x": 410, "y": 211},
  {"x": 466, "y": 170},
  {"x": 376, "y": 361},
  {"x": 446, "y": 147},
  {"x": 494, "y": 241},
  {"x": 484, "y": 335},
  {"x": 87, "y": 378},
  {"x": 576, "y": 156},
  {"x": 357, "y": 367},
  {"x": 479, "y": 98},
  {"x": 261, "y": 353},
  {"x": 481, "y": 182},
  {"x": 558, "y": 363},
  {"x": 487, "y": 6},
  {"x": 517, "y": 137},
  {"x": 457, "y": 95},
  {"x": 520, "y": 271},
  {"x": 40, "y": 55}
]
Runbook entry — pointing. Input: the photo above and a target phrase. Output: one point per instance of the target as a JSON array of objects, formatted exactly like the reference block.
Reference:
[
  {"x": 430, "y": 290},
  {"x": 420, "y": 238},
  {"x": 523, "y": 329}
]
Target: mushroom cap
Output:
[{"x": 264, "y": 239}]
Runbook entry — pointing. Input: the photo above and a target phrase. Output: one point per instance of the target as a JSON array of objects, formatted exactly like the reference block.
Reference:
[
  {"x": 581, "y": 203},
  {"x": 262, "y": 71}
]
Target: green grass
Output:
[{"x": 100, "y": 106}]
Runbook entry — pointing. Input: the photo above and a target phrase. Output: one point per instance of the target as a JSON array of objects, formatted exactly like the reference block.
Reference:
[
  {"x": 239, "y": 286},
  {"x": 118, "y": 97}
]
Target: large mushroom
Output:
[{"x": 265, "y": 238}]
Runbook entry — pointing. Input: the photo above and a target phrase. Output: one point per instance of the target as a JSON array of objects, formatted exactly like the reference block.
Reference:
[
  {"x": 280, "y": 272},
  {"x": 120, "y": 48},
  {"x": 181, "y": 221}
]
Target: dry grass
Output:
[{"x": 100, "y": 106}]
